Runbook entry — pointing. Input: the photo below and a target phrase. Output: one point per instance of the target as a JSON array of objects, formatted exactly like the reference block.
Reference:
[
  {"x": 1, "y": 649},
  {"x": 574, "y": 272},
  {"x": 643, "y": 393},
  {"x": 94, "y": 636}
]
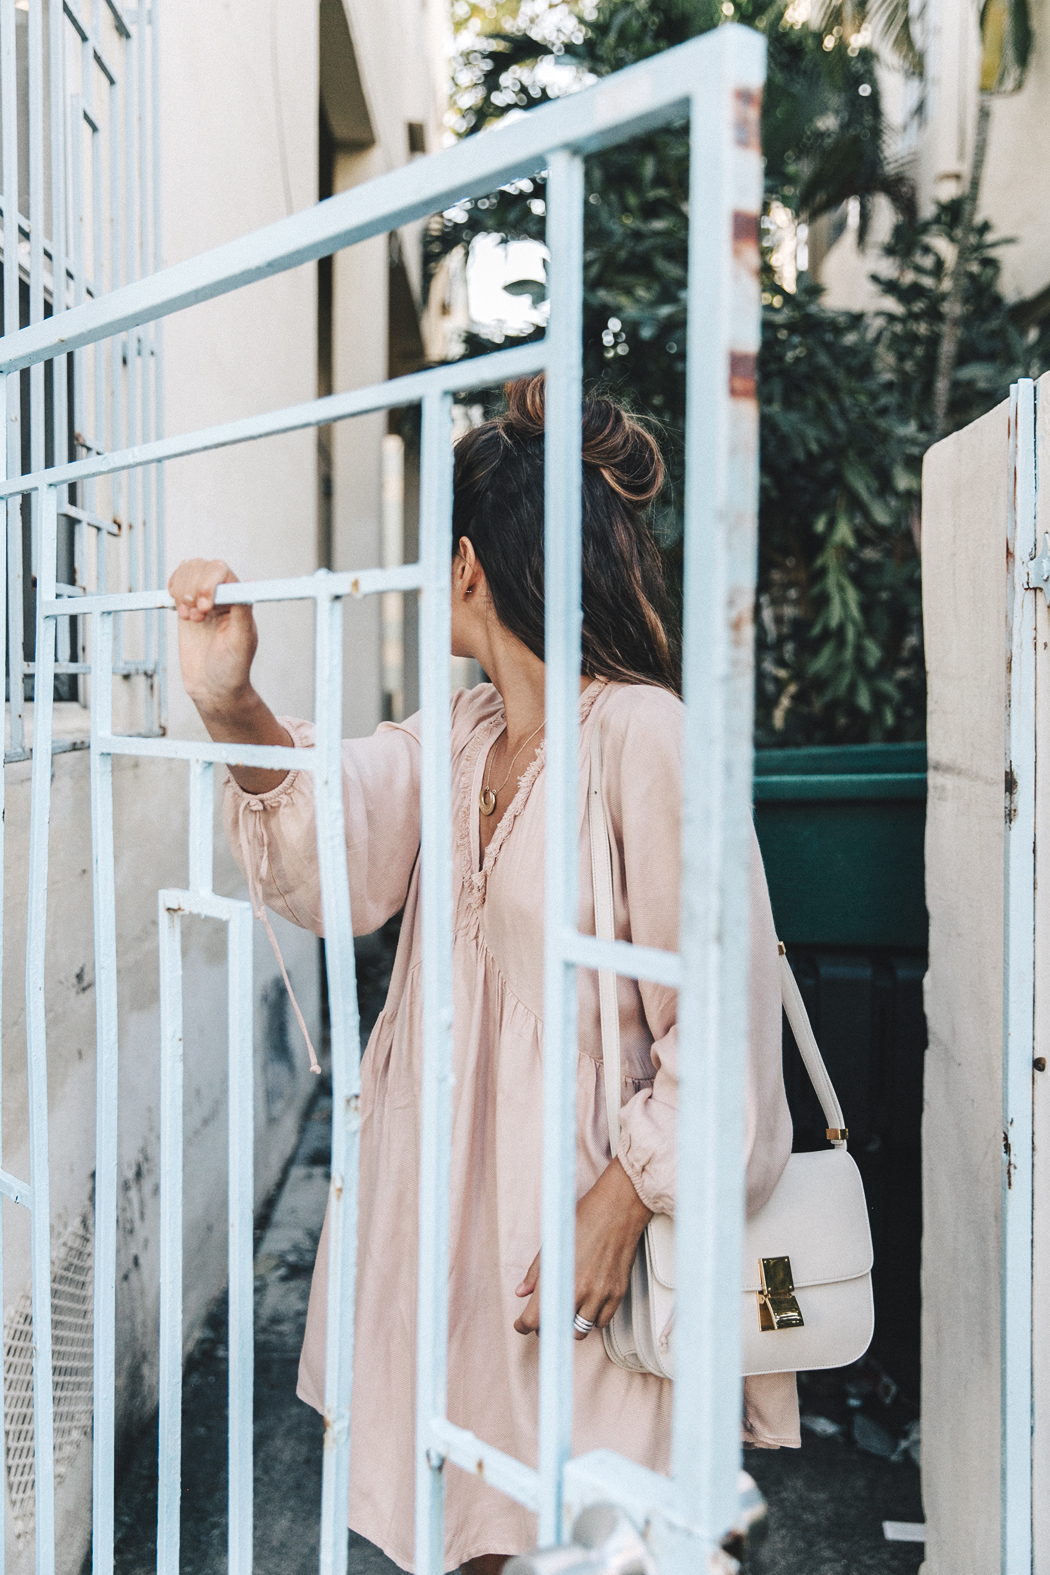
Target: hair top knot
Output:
[
  {"x": 616, "y": 444},
  {"x": 498, "y": 506}
]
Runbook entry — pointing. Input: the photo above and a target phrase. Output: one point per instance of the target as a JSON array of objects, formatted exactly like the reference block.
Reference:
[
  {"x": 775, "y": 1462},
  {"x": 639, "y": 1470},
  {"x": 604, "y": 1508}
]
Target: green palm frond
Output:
[
  {"x": 884, "y": 25},
  {"x": 1006, "y": 45}
]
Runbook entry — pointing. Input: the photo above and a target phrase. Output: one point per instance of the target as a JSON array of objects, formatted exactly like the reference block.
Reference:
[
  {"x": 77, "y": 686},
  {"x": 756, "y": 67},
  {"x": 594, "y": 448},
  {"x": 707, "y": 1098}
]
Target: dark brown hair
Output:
[{"x": 498, "y": 507}]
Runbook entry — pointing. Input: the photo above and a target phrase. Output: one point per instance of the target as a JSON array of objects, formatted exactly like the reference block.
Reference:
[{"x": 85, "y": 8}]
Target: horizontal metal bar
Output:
[
  {"x": 70, "y": 511},
  {"x": 18, "y": 1191},
  {"x": 321, "y": 586},
  {"x": 324, "y": 584},
  {"x": 603, "y": 1476},
  {"x": 631, "y": 962},
  {"x": 456, "y": 377},
  {"x": 205, "y": 904},
  {"x": 487, "y": 1462},
  {"x": 116, "y": 601},
  {"x": 269, "y": 757},
  {"x": 611, "y": 111},
  {"x": 867, "y": 785},
  {"x": 59, "y": 746}
]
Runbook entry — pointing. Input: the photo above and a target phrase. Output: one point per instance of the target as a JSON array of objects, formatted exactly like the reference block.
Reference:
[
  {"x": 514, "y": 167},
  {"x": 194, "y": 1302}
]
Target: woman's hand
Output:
[
  {"x": 216, "y": 644},
  {"x": 216, "y": 648},
  {"x": 610, "y": 1219}
]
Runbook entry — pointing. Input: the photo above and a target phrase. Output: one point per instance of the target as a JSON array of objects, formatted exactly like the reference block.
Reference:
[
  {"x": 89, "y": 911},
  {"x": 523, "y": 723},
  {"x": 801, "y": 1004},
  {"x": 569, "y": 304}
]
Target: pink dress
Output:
[{"x": 496, "y": 1140}]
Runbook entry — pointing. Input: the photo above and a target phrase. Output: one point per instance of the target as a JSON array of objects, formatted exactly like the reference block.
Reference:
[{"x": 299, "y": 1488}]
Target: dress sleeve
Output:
[
  {"x": 273, "y": 836},
  {"x": 644, "y": 794}
]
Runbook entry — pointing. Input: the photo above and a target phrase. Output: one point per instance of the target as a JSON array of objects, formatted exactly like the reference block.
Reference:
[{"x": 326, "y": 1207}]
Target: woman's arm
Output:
[{"x": 216, "y": 648}]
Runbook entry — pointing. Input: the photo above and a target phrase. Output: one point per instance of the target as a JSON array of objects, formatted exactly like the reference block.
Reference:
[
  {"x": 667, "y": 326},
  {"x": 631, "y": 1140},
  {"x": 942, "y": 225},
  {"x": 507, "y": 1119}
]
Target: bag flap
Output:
[
  {"x": 660, "y": 1236},
  {"x": 817, "y": 1217}
]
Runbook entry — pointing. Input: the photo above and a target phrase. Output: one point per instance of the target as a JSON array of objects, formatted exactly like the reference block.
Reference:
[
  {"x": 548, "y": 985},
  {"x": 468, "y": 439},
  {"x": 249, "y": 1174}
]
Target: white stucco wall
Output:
[
  {"x": 964, "y": 533},
  {"x": 223, "y": 173}
]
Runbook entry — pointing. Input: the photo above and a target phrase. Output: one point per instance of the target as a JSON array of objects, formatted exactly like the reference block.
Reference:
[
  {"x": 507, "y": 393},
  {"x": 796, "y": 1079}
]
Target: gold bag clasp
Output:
[{"x": 777, "y": 1307}]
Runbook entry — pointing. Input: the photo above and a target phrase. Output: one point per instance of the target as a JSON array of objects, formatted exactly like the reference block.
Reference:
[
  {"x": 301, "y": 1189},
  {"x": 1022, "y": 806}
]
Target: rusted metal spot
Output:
[
  {"x": 745, "y": 244},
  {"x": 747, "y": 118},
  {"x": 743, "y": 374},
  {"x": 1011, "y": 795},
  {"x": 480, "y": 1468},
  {"x": 355, "y": 587},
  {"x": 1008, "y": 1152}
]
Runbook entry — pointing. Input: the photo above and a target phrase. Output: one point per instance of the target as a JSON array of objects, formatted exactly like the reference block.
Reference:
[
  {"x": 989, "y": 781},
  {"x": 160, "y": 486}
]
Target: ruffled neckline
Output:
[{"x": 475, "y": 877}]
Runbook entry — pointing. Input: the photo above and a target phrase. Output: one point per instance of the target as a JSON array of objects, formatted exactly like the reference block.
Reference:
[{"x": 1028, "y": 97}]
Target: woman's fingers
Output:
[
  {"x": 528, "y": 1321},
  {"x": 531, "y": 1280},
  {"x": 193, "y": 585}
]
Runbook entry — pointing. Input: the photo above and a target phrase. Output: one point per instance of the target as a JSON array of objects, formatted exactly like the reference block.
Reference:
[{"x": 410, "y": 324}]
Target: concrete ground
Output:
[{"x": 288, "y": 1435}]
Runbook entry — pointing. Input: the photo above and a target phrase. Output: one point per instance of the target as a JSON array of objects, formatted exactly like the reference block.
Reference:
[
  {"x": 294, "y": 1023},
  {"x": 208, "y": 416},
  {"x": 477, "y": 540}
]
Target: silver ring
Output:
[{"x": 582, "y": 1325}]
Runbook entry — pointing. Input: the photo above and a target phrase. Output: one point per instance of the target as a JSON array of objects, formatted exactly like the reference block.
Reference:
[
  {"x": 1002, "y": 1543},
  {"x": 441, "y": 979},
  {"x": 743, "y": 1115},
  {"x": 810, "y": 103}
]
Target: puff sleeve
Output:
[{"x": 273, "y": 836}]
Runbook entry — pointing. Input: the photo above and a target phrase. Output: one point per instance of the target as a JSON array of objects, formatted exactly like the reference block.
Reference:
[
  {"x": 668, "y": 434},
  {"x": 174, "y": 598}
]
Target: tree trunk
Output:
[{"x": 948, "y": 349}]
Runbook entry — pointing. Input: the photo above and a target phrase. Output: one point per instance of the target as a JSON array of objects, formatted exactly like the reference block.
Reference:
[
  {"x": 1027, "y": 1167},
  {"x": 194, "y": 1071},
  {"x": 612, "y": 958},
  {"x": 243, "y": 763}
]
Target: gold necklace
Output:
[{"x": 488, "y": 796}]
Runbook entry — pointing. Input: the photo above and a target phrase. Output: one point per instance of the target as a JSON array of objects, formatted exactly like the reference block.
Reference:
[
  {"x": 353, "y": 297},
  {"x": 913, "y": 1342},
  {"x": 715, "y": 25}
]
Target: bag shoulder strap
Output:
[
  {"x": 802, "y": 1028},
  {"x": 605, "y": 930}
]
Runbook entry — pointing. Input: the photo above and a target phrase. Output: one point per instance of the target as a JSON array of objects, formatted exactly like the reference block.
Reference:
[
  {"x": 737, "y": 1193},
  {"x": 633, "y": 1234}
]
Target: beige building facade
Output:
[{"x": 933, "y": 125}]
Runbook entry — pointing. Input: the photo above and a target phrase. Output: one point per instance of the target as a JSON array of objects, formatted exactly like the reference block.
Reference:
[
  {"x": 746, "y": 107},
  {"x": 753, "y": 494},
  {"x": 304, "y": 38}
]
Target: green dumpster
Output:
[{"x": 841, "y": 831}]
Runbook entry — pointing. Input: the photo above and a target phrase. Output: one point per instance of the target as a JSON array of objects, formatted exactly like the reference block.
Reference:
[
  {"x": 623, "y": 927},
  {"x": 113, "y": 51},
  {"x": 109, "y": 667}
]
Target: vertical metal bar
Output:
[
  {"x": 36, "y": 1047},
  {"x": 202, "y": 828},
  {"x": 15, "y": 624},
  {"x": 133, "y": 486},
  {"x": 3, "y": 838},
  {"x": 106, "y": 1098},
  {"x": 346, "y": 1083},
  {"x": 57, "y": 86},
  {"x": 721, "y": 496},
  {"x": 435, "y": 533},
  {"x": 157, "y": 259},
  {"x": 241, "y": 1221},
  {"x": 36, "y": 255},
  {"x": 169, "y": 1459},
  {"x": 1041, "y": 1046},
  {"x": 12, "y": 321},
  {"x": 142, "y": 332},
  {"x": 119, "y": 483},
  {"x": 1018, "y": 998},
  {"x": 563, "y": 622},
  {"x": 393, "y": 602}
]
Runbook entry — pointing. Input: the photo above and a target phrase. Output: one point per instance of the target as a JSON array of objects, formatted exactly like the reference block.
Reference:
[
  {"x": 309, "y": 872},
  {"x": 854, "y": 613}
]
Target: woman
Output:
[{"x": 628, "y": 689}]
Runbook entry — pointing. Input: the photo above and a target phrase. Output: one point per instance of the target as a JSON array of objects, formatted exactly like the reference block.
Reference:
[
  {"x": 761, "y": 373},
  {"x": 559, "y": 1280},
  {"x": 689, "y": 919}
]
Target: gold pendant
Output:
[{"x": 487, "y": 801}]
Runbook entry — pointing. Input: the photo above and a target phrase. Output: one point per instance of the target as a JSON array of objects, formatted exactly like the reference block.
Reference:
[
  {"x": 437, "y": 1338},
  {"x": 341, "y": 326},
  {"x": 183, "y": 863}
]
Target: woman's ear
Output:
[{"x": 466, "y": 570}]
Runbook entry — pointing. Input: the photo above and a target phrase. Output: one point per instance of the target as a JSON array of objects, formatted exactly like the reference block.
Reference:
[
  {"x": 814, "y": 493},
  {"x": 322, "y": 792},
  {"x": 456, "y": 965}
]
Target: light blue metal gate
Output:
[{"x": 716, "y": 82}]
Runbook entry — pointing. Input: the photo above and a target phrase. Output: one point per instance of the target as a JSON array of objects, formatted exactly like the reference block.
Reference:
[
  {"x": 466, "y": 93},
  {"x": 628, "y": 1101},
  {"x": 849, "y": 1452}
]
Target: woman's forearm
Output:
[{"x": 246, "y": 720}]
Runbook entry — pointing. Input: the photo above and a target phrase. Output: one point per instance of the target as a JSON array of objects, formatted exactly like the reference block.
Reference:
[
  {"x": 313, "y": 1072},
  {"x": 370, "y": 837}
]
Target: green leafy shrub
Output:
[{"x": 845, "y": 398}]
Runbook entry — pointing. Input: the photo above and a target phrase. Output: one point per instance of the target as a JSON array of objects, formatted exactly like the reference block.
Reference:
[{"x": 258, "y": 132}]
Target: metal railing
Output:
[
  {"x": 716, "y": 82},
  {"x": 81, "y": 217}
]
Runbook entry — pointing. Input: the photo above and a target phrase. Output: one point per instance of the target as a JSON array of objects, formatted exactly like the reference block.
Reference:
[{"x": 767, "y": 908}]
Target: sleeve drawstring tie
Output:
[{"x": 259, "y": 907}]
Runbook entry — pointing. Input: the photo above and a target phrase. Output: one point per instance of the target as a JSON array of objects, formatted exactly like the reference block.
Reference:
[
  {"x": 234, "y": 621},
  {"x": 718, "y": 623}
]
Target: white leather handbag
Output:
[{"x": 807, "y": 1252}]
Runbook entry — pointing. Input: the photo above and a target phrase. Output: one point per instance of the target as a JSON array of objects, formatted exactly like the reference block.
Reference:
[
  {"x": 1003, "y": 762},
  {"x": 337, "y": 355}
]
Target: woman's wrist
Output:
[
  {"x": 240, "y": 717},
  {"x": 628, "y": 1202},
  {"x": 245, "y": 718}
]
